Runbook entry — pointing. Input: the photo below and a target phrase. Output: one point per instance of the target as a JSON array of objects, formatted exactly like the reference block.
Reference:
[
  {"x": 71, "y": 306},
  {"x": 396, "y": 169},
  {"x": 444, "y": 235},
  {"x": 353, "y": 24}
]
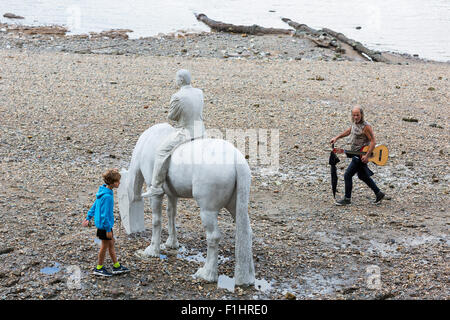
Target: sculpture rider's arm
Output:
[{"x": 175, "y": 108}]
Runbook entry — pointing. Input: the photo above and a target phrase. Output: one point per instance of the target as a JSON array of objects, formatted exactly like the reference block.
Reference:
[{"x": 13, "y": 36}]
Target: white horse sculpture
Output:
[{"x": 215, "y": 174}]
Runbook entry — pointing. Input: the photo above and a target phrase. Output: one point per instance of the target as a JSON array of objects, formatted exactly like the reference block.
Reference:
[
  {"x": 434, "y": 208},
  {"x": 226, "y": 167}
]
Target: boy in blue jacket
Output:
[{"x": 102, "y": 211}]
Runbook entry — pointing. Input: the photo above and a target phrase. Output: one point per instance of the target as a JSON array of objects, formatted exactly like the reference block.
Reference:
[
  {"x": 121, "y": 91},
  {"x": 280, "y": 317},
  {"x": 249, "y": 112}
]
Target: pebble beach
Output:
[{"x": 73, "y": 106}]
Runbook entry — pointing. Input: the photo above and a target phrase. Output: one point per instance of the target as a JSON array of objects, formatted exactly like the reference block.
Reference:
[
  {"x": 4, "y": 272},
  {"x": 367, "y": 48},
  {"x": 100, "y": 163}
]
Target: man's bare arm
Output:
[
  {"x": 342, "y": 135},
  {"x": 368, "y": 131}
]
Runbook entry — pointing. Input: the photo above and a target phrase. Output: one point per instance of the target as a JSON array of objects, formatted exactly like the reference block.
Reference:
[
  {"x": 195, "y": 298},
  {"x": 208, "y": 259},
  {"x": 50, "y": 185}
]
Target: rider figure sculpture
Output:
[{"x": 186, "y": 108}]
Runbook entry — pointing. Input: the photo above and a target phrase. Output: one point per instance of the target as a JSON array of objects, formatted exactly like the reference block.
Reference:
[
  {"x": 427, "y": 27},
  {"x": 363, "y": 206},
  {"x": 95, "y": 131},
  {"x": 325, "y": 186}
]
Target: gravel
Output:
[{"x": 73, "y": 107}]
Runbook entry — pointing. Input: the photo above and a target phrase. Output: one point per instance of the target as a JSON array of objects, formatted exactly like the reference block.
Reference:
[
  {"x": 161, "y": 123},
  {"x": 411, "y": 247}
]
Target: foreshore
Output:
[
  {"x": 180, "y": 44},
  {"x": 72, "y": 107}
]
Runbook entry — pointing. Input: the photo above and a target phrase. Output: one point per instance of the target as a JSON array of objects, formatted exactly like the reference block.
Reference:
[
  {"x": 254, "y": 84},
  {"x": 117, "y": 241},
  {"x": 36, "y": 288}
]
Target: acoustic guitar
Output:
[{"x": 379, "y": 155}]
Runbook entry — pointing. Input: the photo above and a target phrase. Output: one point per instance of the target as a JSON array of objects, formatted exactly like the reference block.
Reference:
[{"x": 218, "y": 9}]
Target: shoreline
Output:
[{"x": 187, "y": 44}]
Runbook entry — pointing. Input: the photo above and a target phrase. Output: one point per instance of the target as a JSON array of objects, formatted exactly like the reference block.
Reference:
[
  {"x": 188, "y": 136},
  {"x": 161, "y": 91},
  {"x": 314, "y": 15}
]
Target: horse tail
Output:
[
  {"x": 244, "y": 270},
  {"x": 131, "y": 204},
  {"x": 124, "y": 200}
]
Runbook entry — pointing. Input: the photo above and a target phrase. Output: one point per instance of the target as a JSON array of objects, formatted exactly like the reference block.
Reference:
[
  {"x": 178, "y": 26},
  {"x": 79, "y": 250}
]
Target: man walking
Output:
[{"x": 361, "y": 135}]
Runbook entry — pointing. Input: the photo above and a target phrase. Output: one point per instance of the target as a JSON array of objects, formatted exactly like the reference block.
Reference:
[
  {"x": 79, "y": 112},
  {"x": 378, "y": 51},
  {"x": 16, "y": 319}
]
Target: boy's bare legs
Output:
[
  {"x": 117, "y": 267},
  {"x": 100, "y": 270},
  {"x": 102, "y": 253},
  {"x": 112, "y": 250},
  {"x": 107, "y": 245}
]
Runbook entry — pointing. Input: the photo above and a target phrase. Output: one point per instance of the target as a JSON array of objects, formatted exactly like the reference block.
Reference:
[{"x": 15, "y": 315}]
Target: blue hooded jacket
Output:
[{"x": 103, "y": 209}]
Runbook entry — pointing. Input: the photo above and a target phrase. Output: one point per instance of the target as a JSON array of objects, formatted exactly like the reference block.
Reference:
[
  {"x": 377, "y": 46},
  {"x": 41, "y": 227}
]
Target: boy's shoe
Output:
[
  {"x": 120, "y": 269},
  {"x": 102, "y": 272},
  {"x": 343, "y": 202},
  {"x": 380, "y": 195}
]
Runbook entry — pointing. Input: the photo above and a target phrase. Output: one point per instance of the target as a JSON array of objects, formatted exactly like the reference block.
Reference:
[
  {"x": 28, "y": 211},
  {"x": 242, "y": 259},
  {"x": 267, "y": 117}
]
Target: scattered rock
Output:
[
  {"x": 409, "y": 164},
  {"x": 12, "y": 16},
  {"x": 349, "y": 290},
  {"x": 384, "y": 296},
  {"x": 318, "y": 78},
  {"x": 6, "y": 250},
  {"x": 111, "y": 34},
  {"x": 290, "y": 296},
  {"x": 410, "y": 120},
  {"x": 39, "y": 30}
]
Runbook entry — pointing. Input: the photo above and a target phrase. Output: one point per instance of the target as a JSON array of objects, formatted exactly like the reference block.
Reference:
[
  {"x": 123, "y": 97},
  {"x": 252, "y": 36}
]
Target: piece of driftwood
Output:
[
  {"x": 374, "y": 55},
  {"x": 44, "y": 30},
  {"x": 325, "y": 38},
  {"x": 320, "y": 38},
  {"x": 300, "y": 27},
  {"x": 325, "y": 33},
  {"x": 12, "y": 16},
  {"x": 324, "y": 41},
  {"x": 227, "y": 27}
]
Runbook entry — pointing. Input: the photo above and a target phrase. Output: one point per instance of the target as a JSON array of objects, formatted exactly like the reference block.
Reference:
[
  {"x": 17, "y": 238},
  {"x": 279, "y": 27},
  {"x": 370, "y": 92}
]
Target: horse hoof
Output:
[
  {"x": 141, "y": 255},
  {"x": 170, "y": 245},
  {"x": 207, "y": 275},
  {"x": 151, "y": 252}
]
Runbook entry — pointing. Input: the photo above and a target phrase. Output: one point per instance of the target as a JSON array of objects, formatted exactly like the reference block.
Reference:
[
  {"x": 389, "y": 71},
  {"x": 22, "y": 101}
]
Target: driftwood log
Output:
[
  {"x": 325, "y": 37},
  {"x": 316, "y": 37},
  {"x": 374, "y": 55},
  {"x": 319, "y": 37},
  {"x": 12, "y": 16},
  {"x": 231, "y": 28},
  {"x": 299, "y": 27},
  {"x": 326, "y": 33},
  {"x": 44, "y": 30}
]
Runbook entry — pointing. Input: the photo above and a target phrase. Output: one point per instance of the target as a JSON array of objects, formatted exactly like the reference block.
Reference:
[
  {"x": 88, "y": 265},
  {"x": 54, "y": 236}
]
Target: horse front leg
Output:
[
  {"x": 209, "y": 271},
  {"x": 155, "y": 245},
  {"x": 172, "y": 241}
]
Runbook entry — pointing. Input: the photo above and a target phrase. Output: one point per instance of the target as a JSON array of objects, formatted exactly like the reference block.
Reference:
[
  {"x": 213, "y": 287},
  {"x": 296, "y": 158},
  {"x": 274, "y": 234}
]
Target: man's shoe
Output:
[
  {"x": 379, "y": 197},
  {"x": 102, "y": 272},
  {"x": 343, "y": 202},
  {"x": 120, "y": 269}
]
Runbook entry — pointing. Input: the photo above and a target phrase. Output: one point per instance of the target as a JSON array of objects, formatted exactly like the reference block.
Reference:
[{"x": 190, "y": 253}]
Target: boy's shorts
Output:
[{"x": 101, "y": 234}]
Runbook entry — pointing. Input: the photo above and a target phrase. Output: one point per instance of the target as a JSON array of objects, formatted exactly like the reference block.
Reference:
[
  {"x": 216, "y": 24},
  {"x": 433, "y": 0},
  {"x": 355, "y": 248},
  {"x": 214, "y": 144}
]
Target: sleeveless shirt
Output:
[{"x": 358, "y": 138}]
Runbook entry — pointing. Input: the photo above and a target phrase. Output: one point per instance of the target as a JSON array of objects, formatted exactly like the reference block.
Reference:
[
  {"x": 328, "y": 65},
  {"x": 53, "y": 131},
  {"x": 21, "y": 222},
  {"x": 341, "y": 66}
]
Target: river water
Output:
[{"x": 407, "y": 26}]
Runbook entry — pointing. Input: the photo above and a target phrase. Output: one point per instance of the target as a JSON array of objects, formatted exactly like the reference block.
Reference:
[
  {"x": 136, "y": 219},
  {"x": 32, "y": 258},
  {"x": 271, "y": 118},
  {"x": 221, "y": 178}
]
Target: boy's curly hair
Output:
[{"x": 111, "y": 176}]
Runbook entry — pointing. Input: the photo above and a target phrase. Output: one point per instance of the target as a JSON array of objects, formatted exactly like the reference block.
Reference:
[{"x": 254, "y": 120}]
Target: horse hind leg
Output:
[
  {"x": 154, "y": 248},
  {"x": 172, "y": 241},
  {"x": 209, "y": 272},
  {"x": 231, "y": 206}
]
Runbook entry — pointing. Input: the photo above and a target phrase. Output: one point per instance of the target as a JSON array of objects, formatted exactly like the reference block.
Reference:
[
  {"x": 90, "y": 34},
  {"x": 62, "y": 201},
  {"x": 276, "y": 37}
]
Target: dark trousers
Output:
[{"x": 364, "y": 173}]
